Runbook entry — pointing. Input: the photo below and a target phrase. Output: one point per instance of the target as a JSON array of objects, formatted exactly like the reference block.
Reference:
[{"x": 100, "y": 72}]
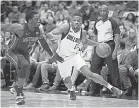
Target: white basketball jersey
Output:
[{"x": 69, "y": 46}]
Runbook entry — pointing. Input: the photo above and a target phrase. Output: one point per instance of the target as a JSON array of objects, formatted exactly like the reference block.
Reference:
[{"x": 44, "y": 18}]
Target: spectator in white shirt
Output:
[{"x": 44, "y": 11}]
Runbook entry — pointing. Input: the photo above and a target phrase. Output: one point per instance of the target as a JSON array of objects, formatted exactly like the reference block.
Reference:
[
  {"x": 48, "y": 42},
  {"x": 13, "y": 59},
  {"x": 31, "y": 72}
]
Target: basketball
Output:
[{"x": 103, "y": 50}]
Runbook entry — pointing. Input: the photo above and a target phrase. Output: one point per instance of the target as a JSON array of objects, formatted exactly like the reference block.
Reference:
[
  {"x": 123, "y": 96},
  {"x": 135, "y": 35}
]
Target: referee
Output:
[{"x": 106, "y": 30}]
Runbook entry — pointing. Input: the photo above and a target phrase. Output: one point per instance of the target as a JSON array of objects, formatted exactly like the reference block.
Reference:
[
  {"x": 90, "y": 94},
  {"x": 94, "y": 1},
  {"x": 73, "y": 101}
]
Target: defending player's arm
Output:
[
  {"x": 53, "y": 34},
  {"x": 88, "y": 41},
  {"x": 13, "y": 28},
  {"x": 45, "y": 45}
]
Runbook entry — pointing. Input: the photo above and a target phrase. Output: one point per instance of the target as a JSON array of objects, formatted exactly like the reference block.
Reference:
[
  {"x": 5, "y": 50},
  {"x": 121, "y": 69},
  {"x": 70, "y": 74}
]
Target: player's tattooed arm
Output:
[
  {"x": 88, "y": 41},
  {"x": 13, "y": 28}
]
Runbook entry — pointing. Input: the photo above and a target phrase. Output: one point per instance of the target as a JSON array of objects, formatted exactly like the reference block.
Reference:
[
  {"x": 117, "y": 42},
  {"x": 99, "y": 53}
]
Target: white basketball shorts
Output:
[{"x": 65, "y": 68}]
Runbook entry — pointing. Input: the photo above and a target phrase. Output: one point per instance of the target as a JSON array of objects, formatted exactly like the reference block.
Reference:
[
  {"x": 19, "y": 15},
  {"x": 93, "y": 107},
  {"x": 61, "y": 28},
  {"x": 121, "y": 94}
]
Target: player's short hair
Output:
[
  {"x": 30, "y": 15},
  {"x": 77, "y": 13}
]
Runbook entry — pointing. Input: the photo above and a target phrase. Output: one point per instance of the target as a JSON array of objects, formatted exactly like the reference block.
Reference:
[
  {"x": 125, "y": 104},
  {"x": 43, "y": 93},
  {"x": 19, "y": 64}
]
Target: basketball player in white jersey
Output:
[{"x": 69, "y": 51}]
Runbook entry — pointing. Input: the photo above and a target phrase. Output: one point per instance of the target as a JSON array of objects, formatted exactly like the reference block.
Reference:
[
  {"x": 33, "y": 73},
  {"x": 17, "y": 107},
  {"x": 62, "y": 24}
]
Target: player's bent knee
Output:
[
  {"x": 24, "y": 70},
  {"x": 25, "y": 65}
]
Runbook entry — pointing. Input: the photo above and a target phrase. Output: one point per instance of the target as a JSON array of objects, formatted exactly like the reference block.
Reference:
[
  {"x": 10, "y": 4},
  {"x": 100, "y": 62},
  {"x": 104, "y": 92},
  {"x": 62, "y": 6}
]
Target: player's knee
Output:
[{"x": 24, "y": 69}]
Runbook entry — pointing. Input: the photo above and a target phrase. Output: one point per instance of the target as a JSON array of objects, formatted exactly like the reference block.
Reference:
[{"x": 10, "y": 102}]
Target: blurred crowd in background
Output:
[{"x": 53, "y": 14}]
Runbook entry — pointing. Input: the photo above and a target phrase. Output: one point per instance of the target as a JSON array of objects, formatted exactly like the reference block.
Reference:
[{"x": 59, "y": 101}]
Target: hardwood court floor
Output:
[{"x": 46, "y": 100}]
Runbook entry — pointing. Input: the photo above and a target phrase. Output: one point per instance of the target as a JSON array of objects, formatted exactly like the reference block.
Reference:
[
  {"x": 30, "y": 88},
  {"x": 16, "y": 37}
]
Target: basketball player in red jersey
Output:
[
  {"x": 18, "y": 53},
  {"x": 69, "y": 51}
]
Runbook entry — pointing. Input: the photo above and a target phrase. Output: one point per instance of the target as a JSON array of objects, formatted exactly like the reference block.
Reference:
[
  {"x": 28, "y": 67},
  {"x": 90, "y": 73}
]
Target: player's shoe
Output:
[
  {"x": 117, "y": 92},
  {"x": 72, "y": 95},
  {"x": 20, "y": 99}
]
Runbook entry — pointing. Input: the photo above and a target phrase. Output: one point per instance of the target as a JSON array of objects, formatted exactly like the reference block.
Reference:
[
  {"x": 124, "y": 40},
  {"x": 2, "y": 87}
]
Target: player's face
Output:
[
  {"x": 76, "y": 21},
  {"x": 36, "y": 20}
]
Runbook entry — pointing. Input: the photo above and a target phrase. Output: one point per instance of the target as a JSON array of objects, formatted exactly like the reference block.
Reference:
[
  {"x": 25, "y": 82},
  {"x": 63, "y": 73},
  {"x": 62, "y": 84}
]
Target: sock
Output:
[{"x": 109, "y": 86}]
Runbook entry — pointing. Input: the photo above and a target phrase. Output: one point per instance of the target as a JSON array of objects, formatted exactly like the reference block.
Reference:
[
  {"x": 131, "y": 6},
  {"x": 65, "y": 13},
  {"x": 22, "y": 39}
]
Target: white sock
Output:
[{"x": 109, "y": 86}]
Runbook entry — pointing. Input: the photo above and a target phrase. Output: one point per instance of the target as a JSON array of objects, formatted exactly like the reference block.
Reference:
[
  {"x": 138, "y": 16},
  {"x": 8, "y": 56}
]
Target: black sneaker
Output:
[
  {"x": 20, "y": 99},
  {"x": 72, "y": 95},
  {"x": 117, "y": 92}
]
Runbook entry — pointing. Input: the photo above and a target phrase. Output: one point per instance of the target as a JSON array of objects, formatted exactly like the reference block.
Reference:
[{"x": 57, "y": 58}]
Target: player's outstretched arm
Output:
[
  {"x": 88, "y": 41},
  {"x": 63, "y": 29},
  {"x": 13, "y": 28}
]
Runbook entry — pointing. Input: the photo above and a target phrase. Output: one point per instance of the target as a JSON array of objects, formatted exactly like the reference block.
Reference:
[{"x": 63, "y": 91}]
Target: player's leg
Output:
[
  {"x": 70, "y": 86},
  {"x": 10, "y": 55},
  {"x": 13, "y": 59},
  {"x": 98, "y": 79},
  {"x": 65, "y": 70},
  {"x": 81, "y": 65},
  {"x": 21, "y": 75},
  {"x": 74, "y": 75}
]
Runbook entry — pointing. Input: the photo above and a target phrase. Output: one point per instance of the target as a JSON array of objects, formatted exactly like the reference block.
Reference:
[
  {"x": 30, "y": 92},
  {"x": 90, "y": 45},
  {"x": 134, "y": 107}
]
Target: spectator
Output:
[
  {"x": 61, "y": 20},
  {"x": 44, "y": 11},
  {"x": 50, "y": 68},
  {"x": 86, "y": 18},
  {"x": 127, "y": 71},
  {"x": 129, "y": 21},
  {"x": 72, "y": 8},
  {"x": 22, "y": 21},
  {"x": 54, "y": 8},
  {"x": 15, "y": 15},
  {"x": 123, "y": 33},
  {"x": 6, "y": 21},
  {"x": 27, "y": 7},
  {"x": 50, "y": 25},
  {"x": 61, "y": 11},
  {"x": 131, "y": 39},
  {"x": 34, "y": 58},
  {"x": 38, "y": 5},
  {"x": 38, "y": 57}
]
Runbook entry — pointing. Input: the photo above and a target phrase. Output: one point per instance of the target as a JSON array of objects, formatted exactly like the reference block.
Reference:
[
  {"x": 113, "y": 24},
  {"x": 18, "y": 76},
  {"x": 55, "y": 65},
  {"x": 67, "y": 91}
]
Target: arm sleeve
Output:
[
  {"x": 115, "y": 26},
  {"x": 95, "y": 30}
]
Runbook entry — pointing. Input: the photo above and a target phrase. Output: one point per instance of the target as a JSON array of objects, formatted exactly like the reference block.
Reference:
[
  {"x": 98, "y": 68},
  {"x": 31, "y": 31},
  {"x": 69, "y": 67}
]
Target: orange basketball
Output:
[{"x": 103, "y": 50}]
